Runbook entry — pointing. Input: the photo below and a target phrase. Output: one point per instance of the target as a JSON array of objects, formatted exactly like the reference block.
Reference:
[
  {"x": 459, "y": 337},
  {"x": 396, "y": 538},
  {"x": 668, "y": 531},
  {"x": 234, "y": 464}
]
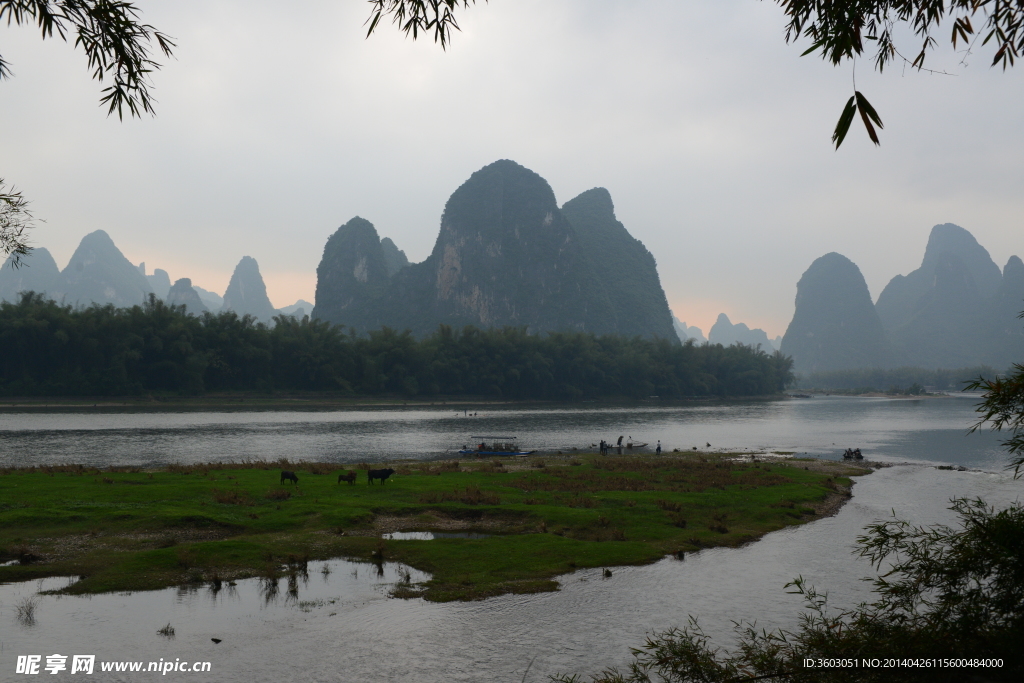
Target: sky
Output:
[{"x": 278, "y": 122}]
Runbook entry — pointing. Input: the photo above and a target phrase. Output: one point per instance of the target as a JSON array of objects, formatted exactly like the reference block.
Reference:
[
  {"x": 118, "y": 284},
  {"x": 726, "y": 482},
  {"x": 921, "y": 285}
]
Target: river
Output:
[
  {"x": 339, "y": 625},
  {"x": 921, "y": 430}
]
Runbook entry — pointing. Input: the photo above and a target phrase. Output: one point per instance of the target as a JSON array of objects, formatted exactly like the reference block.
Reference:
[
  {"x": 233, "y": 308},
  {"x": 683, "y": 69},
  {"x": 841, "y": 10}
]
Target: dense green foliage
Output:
[
  {"x": 879, "y": 379},
  {"x": 51, "y": 349}
]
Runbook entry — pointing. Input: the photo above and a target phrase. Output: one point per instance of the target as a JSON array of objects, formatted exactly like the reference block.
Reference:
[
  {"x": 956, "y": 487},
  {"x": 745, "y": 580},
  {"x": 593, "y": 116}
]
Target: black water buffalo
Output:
[
  {"x": 289, "y": 476},
  {"x": 379, "y": 474},
  {"x": 350, "y": 477}
]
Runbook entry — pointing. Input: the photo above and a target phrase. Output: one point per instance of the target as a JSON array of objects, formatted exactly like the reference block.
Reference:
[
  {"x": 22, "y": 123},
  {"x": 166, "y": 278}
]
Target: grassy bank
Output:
[{"x": 129, "y": 529}]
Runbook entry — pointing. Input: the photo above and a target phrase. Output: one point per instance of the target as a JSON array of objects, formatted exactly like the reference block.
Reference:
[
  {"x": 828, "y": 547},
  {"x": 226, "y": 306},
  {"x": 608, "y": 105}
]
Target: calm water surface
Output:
[
  {"x": 931, "y": 430},
  {"x": 341, "y": 626}
]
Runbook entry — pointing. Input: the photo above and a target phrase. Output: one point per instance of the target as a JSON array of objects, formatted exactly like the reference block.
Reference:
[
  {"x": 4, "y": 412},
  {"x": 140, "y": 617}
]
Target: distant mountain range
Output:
[
  {"x": 98, "y": 273},
  {"x": 957, "y": 310},
  {"x": 506, "y": 255},
  {"x": 726, "y": 333},
  {"x": 684, "y": 332}
]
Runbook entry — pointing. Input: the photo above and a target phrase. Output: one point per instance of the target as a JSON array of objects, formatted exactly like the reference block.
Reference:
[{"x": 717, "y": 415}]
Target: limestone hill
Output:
[{"x": 505, "y": 255}]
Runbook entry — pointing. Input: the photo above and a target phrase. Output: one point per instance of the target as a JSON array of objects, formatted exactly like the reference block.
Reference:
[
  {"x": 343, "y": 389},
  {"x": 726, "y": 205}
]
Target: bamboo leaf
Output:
[
  {"x": 373, "y": 24},
  {"x": 845, "y": 119},
  {"x": 867, "y": 124},
  {"x": 812, "y": 48},
  {"x": 866, "y": 108}
]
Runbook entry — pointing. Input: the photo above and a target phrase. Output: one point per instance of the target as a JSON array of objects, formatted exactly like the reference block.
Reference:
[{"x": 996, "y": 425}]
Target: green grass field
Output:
[{"x": 137, "y": 529}]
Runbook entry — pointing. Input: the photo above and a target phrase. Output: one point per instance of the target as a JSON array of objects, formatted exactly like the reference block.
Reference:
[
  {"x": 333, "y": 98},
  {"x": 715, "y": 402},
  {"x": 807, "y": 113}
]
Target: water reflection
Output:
[
  {"x": 268, "y": 589},
  {"x": 430, "y": 535}
]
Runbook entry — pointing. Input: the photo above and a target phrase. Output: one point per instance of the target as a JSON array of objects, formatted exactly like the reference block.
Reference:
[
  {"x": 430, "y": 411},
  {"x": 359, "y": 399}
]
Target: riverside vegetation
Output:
[
  {"x": 54, "y": 350},
  {"x": 130, "y": 529}
]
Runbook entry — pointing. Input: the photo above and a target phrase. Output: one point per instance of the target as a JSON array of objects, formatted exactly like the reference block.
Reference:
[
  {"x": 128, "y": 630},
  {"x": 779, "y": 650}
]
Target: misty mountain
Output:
[
  {"x": 835, "y": 325},
  {"x": 352, "y": 277},
  {"x": 183, "y": 294},
  {"x": 160, "y": 281},
  {"x": 631, "y": 283},
  {"x": 506, "y": 255},
  {"x": 38, "y": 272},
  {"x": 956, "y": 310},
  {"x": 394, "y": 258},
  {"x": 1009, "y": 300},
  {"x": 247, "y": 294},
  {"x": 1004, "y": 330},
  {"x": 950, "y": 248},
  {"x": 724, "y": 332},
  {"x": 99, "y": 273},
  {"x": 298, "y": 309},
  {"x": 211, "y": 300},
  {"x": 684, "y": 332}
]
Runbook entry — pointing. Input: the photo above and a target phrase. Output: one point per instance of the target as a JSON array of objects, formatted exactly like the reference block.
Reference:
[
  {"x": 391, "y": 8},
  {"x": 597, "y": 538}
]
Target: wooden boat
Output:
[
  {"x": 499, "y": 445},
  {"x": 619, "y": 445}
]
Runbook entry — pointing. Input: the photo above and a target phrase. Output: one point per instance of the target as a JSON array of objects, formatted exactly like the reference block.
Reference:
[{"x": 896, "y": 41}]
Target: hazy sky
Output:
[{"x": 278, "y": 122}]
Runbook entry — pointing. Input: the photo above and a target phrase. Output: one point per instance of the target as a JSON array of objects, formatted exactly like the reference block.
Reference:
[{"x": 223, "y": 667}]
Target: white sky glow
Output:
[{"x": 277, "y": 123}]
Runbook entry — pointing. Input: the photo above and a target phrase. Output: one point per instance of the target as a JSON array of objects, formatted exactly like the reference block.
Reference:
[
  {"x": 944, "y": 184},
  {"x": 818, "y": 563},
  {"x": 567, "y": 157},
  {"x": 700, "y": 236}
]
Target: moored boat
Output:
[{"x": 498, "y": 445}]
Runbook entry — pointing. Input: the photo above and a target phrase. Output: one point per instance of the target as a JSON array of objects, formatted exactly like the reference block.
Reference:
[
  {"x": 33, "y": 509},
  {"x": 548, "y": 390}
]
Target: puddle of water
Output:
[{"x": 429, "y": 535}]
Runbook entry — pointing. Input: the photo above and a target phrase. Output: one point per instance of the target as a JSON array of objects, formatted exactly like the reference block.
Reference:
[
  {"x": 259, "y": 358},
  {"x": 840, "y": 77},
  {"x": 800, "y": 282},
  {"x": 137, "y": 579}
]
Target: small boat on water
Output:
[
  {"x": 494, "y": 445},
  {"x": 619, "y": 445}
]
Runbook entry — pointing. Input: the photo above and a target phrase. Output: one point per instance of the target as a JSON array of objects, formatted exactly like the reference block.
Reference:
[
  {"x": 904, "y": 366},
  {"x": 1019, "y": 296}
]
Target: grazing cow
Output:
[
  {"x": 350, "y": 477},
  {"x": 289, "y": 476},
  {"x": 379, "y": 474}
]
